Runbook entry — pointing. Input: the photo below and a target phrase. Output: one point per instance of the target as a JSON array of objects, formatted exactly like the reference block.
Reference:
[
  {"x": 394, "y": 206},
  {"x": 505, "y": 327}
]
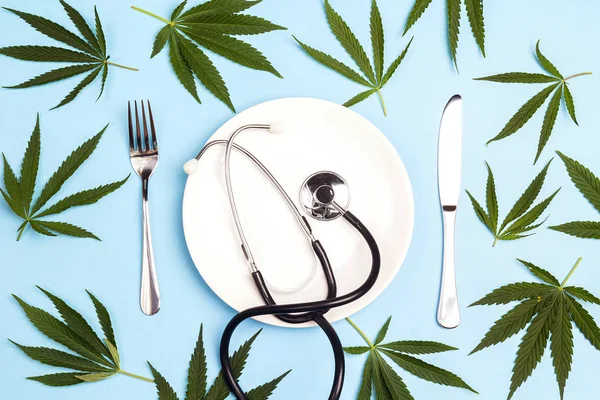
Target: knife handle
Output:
[{"x": 448, "y": 309}]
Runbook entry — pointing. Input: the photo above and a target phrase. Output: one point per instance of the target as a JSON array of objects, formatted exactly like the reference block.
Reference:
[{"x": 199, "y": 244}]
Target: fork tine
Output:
[
  {"x": 137, "y": 128},
  {"x": 146, "y": 139},
  {"x": 154, "y": 140},
  {"x": 131, "y": 142}
]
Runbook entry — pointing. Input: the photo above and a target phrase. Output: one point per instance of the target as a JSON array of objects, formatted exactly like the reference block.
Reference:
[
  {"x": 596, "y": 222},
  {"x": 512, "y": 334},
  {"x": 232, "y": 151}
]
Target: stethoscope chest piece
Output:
[{"x": 325, "y": 195}]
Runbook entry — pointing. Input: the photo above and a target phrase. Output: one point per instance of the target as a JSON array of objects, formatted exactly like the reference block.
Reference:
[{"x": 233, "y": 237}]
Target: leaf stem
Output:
[
  {"x": 135, "y": 376},
  {"x": 121, "y": 66},
  {"x": 21, "y": 230},
  {"x": 562, "y": 285},
  {"x": 166, "y": 21},
  {"x": 361, "y": 333},
  {"x": 576, "y": 75},
  {"x": 495, "y": 242},
  {"x": 382, "y": 102}
]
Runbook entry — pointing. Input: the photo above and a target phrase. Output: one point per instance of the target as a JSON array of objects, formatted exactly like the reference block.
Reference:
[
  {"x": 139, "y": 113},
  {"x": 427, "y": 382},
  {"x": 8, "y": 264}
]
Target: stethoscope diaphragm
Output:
[{"x": 324, "y": 195}]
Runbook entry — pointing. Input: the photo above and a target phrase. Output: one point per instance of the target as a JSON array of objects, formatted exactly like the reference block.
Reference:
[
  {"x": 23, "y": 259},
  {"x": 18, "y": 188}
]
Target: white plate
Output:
[{"x": 317, "y": 135}]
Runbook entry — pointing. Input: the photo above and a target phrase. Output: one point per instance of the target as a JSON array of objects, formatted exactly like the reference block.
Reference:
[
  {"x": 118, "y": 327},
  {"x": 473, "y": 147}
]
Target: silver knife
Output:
[{"x": 449, "y": 171}]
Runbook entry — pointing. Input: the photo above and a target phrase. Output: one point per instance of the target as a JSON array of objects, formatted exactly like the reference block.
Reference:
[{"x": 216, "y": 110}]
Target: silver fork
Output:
[{"x": 144, "y": 158}]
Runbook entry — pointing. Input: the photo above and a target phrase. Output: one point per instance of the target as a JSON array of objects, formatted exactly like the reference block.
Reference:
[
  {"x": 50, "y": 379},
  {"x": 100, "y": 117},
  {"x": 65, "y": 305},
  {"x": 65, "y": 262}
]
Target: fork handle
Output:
[
  {"x": 150, "y": 294},
  {"x": 448, "y": 310}
]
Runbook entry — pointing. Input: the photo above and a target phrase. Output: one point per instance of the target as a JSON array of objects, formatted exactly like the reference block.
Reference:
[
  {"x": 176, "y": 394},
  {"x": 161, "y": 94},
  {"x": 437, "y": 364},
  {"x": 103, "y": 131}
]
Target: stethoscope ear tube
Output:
[{"x": 316, "y": 307}]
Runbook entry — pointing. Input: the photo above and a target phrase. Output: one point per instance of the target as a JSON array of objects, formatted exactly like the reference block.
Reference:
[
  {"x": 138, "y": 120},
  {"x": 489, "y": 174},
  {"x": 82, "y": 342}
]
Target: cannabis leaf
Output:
[
  {"x": 522, "y": 218},
  {"x": 18, "y": 192},
  {"x": 474, "y": 12},
  {"x": 197, "y": 388},
  {"x": 558, "y": 88},
  {"x": 88, "y": 55},
  {"x": 589, "y": 185},
  {"x": 378, "y": 375},
  {"x": 373, "y": 79},
  {"x": 549, "y": 308},
  {"x": 211, "y": 25},
  {"x": 91, "y": 359}
]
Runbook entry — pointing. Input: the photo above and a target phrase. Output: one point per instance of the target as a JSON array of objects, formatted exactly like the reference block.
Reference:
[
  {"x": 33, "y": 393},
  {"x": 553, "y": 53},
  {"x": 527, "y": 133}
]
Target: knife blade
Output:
[{"x": 449, "y": 177}]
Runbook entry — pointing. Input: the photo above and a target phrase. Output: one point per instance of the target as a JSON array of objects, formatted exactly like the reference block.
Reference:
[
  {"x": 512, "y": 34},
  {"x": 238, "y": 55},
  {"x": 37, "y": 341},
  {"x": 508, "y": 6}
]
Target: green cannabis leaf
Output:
[
  {"x": 522, "y": 218},
  {"x": 474, "y": 12},
  {"x": 18, "y": 192},
  {"x": 378, "y": 374},
  {"x": 88, "y": 57},
  {"x": 589, "y": 185},
  {"x": 211, "y": 25},
  {"x": 558, "y": 88},
  {"x": 549, "y": 308},
  {"x": 197, "y": 388},
  {"x": 91, "y": 360},
  {"x": 373, "y": 79}
]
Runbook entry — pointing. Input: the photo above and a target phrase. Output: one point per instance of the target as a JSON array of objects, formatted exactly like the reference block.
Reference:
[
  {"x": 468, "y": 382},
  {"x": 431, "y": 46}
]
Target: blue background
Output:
[{"x": 415, "y": 98}]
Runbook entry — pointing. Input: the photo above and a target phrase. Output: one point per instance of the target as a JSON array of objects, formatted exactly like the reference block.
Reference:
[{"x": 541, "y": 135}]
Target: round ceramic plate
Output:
[{"x": 316, "y": 135}]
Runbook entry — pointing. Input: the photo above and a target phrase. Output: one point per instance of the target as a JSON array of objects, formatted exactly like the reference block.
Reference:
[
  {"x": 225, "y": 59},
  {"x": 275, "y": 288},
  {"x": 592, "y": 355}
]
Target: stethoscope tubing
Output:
[
  {"x": 234, "y": 210},
  {"x": 291, "y": 313},
  {"x": 261, "y": 166},
  {"x": 338, "y": 356},
  {"x": 282, "y": 192},
  {"x": 307, "y": 307},
  {"x": 317, "y": 247},
  {"x": 260, "y": 283}
]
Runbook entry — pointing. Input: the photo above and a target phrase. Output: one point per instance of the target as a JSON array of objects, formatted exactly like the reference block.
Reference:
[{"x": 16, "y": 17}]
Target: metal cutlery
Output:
[
  {"x": 143, "y": 152},
  {"x": 449, "y": 174}
]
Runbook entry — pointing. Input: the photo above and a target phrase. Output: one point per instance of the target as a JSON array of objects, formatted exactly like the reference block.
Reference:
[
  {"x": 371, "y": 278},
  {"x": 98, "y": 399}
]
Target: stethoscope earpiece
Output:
[
  {"x": 276, "y": 127},
  {"x": 191, "y": 166}
]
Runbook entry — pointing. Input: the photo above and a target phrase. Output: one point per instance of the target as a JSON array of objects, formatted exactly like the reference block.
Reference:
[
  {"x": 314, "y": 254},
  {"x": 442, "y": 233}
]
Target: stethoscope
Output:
[{"x": 324, "y": 196}]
